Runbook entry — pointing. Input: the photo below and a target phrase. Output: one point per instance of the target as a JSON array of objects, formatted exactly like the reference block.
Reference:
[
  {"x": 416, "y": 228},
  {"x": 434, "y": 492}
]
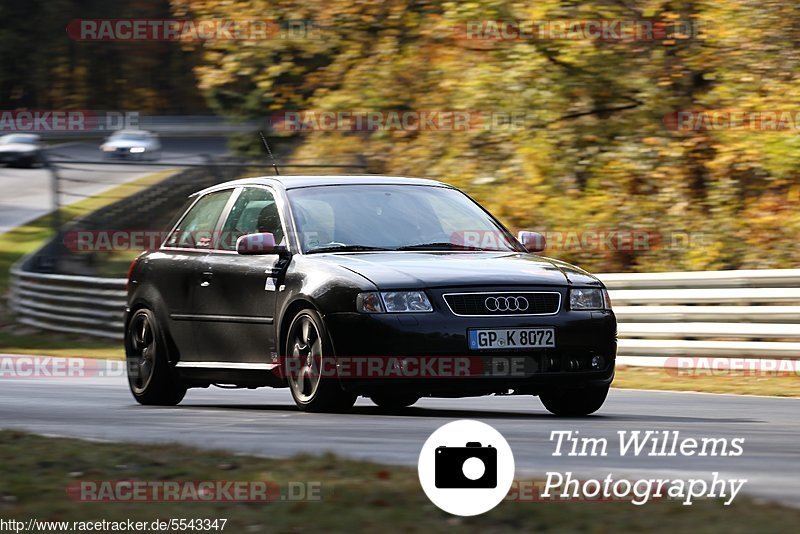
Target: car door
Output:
[
  {"x": 238, "y": 302},
  {"x": 177, "y": 268}
]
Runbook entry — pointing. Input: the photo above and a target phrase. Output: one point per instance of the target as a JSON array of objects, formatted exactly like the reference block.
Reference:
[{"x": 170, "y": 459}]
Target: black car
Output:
[{"x": 347, "y": 286}]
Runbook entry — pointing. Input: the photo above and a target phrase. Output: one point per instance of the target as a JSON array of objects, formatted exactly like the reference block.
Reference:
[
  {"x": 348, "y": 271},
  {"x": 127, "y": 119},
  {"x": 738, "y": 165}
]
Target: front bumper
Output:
[
  {"x": 14, "y": 157},
  {"x": 125, "y": 153},
  {"x": 408, "y": 339}
]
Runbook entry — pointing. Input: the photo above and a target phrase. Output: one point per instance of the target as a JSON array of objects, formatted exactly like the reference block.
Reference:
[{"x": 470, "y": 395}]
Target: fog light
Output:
[{"x": 598, "y": 362}]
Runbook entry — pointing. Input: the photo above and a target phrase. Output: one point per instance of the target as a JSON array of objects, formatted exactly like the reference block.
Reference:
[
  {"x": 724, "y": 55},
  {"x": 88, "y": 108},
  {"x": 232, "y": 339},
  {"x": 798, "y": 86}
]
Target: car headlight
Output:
[
  {"x": 393, "y": 302},
  {"x": 106, "y": 148},
  {"x": 137, "y": 149},
  {"x": 589, "y": 299}
]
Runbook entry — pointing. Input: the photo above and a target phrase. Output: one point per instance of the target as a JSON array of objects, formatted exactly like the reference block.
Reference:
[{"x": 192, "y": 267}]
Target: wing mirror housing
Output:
[
  {"x": 259, "y": 245},
  {"x": 256, "y": 244},
  {"x": 532, "y": 241}
]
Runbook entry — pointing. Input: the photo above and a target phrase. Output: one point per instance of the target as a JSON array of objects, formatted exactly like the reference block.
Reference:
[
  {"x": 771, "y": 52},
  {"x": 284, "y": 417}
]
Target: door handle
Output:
[{"x": 205, "y": 278}]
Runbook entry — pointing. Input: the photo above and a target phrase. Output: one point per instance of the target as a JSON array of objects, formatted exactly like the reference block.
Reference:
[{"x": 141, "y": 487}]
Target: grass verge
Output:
[
  {"x": 777, "y": 385},
  {"x": 356, "y": 496},
  {"x": 15, "y": 339}
]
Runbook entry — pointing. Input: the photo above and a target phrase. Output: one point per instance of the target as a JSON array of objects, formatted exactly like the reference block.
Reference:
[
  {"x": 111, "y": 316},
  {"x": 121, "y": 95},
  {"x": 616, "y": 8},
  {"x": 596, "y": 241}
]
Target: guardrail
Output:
[
  {"x": 76, "y": 304},
  {"x": 744, "y": 314},
  {"x": 103, "y": 123},
  {"x": 733, "y": 314}
]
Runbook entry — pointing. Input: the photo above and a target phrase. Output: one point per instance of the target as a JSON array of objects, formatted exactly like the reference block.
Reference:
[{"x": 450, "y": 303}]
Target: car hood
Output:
[
  {"x": 407, "y": 270},
  {"x": 18, "y": 147}
]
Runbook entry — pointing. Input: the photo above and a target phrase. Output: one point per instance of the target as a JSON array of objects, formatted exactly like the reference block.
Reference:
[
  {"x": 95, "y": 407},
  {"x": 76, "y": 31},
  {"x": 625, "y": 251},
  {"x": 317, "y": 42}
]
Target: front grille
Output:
[{"x": 504, "y": 303}]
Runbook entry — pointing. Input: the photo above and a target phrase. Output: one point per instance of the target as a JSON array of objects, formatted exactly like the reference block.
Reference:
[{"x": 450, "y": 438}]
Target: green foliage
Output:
[{"x": 595, "y": 153}]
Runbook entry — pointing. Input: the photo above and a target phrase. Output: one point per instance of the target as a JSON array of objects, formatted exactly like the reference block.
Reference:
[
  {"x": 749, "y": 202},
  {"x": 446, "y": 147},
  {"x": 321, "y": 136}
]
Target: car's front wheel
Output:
[
  {"x": 574, "y": 402},
  {"x": 310, "y": 365},
  {"x": 149, "y": 376}
]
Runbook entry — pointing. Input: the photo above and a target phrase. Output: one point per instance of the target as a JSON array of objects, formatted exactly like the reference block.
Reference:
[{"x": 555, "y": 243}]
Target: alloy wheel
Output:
[
  {"x": 141, "y": 358},
  {"x": 305, "y": 359}
]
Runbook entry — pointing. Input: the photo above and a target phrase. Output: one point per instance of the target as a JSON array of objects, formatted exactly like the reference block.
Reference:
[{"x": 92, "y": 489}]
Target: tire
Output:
[
  {"x": 21, "y": 163},
  {"x": 574, "y": 402},
  {"x": 150, "y": 378},
  {"x": 396, "y": 401},
  {"x": 307, "y": 345}
]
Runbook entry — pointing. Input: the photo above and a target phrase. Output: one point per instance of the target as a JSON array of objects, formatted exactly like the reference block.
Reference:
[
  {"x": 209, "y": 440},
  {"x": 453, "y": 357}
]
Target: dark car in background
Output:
[
  {"x": 345, "y": 286},
  {"x": 21, "y": 150}
]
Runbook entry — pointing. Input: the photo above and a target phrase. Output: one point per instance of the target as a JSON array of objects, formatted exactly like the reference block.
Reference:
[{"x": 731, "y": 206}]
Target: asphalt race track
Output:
[
  {"x": 25, "y": 193},
  {"x": 265, "y": 422}
]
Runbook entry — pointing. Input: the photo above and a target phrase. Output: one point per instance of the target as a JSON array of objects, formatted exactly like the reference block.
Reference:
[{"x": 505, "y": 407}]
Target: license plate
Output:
[{"x": 511, "y": 338}]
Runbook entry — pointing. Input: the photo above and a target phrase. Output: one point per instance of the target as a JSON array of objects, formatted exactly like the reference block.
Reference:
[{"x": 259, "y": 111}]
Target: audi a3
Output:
[{"x": 337, "y": 287}]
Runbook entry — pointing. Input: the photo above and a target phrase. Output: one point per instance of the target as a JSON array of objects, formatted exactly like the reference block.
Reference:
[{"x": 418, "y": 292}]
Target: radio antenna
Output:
[{"x": 266, "y": 145}]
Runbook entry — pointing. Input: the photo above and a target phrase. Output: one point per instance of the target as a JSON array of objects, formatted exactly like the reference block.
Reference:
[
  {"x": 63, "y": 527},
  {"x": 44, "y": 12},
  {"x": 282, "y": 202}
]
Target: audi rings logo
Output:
[{"x": 506, "y": 304}]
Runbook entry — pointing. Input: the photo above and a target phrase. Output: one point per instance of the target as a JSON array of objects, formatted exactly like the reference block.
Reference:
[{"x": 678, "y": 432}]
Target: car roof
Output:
[
  {"x": 27, "y": 135},
  {"x": 299, "y": 181},
  {"x": 129, "y": 132}
]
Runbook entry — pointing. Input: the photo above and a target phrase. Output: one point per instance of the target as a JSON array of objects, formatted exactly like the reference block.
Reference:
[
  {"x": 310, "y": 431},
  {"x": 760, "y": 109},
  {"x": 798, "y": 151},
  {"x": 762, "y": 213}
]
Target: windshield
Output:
[
  {"x": 393, "y": 217},
  {"x": 27, "y": 139}
]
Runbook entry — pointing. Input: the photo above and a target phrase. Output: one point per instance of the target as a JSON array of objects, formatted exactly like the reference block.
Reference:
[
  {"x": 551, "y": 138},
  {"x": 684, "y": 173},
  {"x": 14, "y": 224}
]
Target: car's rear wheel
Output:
[
  {"x": 150, "y": 378},
  {"x": 394, "y": 401},
  {"x": 574, "y": 402},
  {"x": 309, "y": 366}
]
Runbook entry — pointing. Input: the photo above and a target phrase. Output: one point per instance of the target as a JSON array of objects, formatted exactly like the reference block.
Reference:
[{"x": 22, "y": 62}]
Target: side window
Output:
[
  {"x": 255, "y": 211},
  {"x": 196, "y": 230}
]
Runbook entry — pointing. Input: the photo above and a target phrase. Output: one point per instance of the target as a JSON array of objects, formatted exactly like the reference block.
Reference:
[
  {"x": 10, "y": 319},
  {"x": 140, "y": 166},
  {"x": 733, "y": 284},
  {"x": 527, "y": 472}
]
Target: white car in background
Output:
[
  {"x": 21, "y": 150},
  {"x": 132, "y": 144}
]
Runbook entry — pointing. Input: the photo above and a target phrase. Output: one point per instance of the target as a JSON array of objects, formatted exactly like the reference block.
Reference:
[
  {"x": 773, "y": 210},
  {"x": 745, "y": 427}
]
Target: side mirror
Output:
[
  {"x": 532, "y": 241},
  {"x": 255, "y": 244}
]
